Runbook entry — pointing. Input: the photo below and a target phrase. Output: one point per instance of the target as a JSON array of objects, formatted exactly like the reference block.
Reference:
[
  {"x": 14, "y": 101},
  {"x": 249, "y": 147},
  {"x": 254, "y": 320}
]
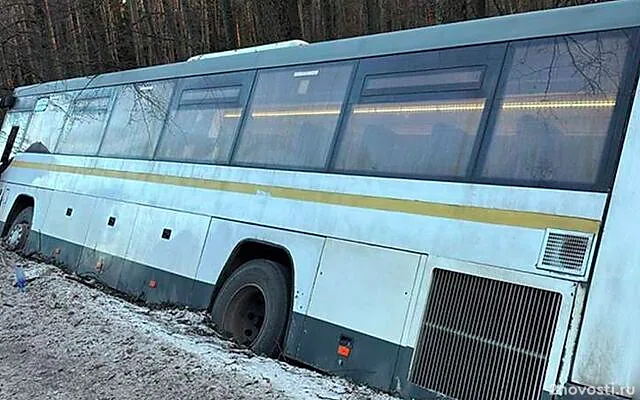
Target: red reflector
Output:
[
  {"x": 153, "y": 284},
  {"x": 344, "y": 351}
]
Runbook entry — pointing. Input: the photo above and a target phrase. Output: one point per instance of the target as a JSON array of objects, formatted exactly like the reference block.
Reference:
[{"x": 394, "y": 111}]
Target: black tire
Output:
[
  {"x": 18, "y": 232},
  {"x": 236, "y": 309}
]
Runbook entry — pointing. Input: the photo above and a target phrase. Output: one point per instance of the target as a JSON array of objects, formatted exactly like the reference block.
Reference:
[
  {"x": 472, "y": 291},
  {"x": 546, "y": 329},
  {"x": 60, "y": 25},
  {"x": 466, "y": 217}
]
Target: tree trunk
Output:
[
  {"x": 135, "y": 26},
  {"x": 229, "y": 24},
  {"x": 52, "y": 39}
]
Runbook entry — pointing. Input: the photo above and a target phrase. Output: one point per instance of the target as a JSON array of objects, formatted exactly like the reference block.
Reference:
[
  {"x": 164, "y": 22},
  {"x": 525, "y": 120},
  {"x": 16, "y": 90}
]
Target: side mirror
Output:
[{"x": 9, "y": 145}]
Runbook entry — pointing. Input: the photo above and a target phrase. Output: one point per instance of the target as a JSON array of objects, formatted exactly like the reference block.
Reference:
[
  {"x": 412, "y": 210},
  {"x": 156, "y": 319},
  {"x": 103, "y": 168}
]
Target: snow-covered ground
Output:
[{"x": 62, "y": 339}]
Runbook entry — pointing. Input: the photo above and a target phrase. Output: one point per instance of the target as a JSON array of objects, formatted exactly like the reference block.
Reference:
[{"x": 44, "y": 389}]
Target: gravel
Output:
[{"x": 64, "y": 339}]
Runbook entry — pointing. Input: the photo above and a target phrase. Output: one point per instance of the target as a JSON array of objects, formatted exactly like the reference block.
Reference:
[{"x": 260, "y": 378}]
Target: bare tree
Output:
[{"x": 46, "y": 40}]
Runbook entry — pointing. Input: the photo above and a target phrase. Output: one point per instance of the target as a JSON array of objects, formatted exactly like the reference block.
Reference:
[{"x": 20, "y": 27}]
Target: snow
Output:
[{"x": 63, "y": 339}]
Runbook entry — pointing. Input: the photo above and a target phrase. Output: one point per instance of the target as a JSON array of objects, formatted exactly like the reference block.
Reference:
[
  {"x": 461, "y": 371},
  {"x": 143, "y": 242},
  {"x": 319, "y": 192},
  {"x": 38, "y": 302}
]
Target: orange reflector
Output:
[
  {"x": 344, "y": 351},
  {"x": 153, "y": 284}
]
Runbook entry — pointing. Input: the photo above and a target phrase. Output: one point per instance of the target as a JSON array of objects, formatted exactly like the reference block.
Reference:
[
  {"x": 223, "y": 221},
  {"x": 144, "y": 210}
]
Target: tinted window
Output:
[
  {"x": 20, "y": 116},
  {"x": 418, "y": 115},
  {"x": 229, "y": 94},
  {"x": 48, "y": 119},
  {"x": 553, "y": 114},
  {"x": 432, "y": 138},
  {"x": 425, "y": 81},
  {"x": 293, "y": 116},
  {"x": 138, "y": 117},
  {"x": 202, "y": 123},
  {"x": 83, "y": 130}
]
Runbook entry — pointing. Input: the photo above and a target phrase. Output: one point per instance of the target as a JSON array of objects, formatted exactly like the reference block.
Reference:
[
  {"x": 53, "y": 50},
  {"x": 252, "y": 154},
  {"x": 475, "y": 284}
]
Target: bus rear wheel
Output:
[
  {"x": 18, "y": 232},
  {"x": 252, "y": 306}
]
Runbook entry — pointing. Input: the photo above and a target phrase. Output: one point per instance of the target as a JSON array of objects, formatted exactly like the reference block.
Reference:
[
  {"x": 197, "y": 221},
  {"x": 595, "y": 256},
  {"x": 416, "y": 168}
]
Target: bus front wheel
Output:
[
  {"x": 18, "y": 232},
  {"x": 252, "y": 306}
]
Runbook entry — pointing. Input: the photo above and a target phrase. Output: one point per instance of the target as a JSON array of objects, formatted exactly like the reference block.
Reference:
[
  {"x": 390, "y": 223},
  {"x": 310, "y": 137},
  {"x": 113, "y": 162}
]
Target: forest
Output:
[{"x": 43, "y": 40}]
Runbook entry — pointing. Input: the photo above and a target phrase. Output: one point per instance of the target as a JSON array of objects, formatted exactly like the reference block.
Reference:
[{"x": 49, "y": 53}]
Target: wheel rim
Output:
[
  {"x": 17, "y": 235},
  {"x": 244, "y": 316}
]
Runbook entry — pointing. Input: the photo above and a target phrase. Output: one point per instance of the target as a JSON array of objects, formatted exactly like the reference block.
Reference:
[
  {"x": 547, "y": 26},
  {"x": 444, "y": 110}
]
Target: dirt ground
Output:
[{"x": 62, "y": 339}]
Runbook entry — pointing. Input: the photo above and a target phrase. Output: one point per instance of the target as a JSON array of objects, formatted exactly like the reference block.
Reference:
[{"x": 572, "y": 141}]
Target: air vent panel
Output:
[
  {"x": 484, "y": 339},
  {"x": 567, "y": 252}
]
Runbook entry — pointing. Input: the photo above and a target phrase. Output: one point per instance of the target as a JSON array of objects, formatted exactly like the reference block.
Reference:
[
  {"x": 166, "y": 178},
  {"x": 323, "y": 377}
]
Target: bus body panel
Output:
[
  {"x": 107, "y": 244},
  {"x": 112, "y": 238},
  {"x": 69, "y": 216},
  {"x": 66, "y": 226},
  {"x": 304, "y": 250},
  {"x": 400, "y": 214},
  {"x": 309, "y": 323},
  {"x": 364, "y": 306},
  {"x": 168, "y": 240},
  {"x": 380, "y": 280},
  {"x": 609, "y": 350},
  {"x": 80, "y": 174}
]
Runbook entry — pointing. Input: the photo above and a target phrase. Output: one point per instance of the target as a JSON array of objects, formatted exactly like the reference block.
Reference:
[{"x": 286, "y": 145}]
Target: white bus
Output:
[{"x": 440, "y": 211}]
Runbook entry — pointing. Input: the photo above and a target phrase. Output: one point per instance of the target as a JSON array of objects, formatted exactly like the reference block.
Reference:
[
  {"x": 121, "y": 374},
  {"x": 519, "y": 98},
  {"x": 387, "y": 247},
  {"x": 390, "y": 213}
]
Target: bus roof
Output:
[{"x": 587, "y": 18}]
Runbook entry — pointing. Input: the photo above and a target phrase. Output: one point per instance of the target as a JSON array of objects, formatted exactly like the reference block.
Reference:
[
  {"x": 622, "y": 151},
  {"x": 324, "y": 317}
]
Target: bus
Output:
[{"x": 445, "y": 211}]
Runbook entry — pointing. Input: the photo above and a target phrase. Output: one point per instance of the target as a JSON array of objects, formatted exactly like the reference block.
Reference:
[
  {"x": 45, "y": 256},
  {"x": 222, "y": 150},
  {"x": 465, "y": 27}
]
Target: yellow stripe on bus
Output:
[{"x": 494, "y": 216}]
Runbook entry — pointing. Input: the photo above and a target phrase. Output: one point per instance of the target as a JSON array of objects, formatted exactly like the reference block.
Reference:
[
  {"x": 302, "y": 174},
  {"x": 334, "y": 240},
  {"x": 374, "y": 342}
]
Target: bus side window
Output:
[
  {"x": 203, "y": 121},
  {"x": 137, "y": 119},
  {"x": 48, "y": 119},
  {"x": 85, "y": 125},
  {"x": 11, "y": 119},
  {"x": 409, "y": 123},
  {"x": 19, "y": 115},
  {"x": 554, "y": 108},
  {"x": 293, "y": 116}
]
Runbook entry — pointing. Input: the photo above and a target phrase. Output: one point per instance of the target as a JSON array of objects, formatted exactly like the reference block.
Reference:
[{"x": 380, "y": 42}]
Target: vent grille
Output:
[
  {"x": 566, "y": 251},
  {"x": 484, "y": 338}
]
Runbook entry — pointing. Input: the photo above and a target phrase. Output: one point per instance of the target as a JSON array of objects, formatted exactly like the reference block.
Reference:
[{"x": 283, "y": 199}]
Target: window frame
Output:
[
  {"x": 430, "y": 60},
  {"x": 614, "y": 136},
  {"x": 243, "y": 79},
  {"x": 618, "y": 125},
  {"x": 325, "y": 168}
]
